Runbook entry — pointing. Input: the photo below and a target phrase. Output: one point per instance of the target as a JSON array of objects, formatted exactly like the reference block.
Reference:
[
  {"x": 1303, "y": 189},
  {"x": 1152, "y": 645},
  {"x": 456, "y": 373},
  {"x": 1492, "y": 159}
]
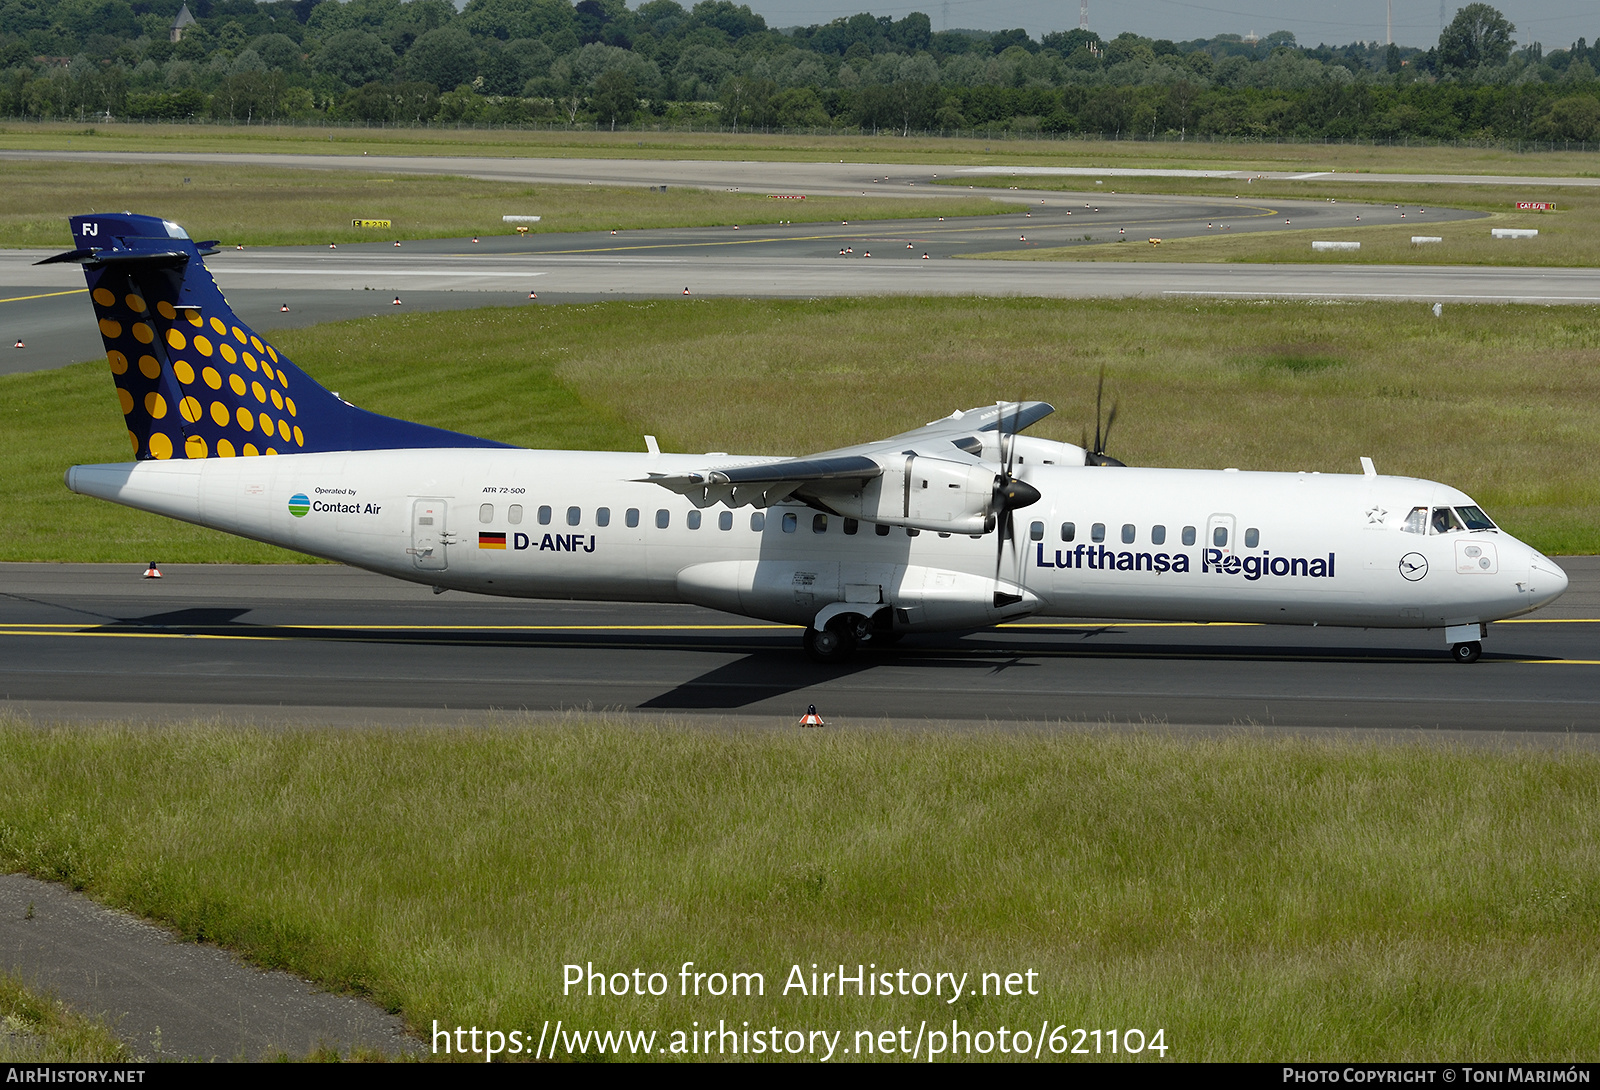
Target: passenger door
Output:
[{"x": 429, "y": 535}]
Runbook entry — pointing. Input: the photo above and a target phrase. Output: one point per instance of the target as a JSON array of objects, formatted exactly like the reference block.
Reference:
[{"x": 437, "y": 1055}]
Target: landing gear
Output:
[
  {"x": 829, "y": 645},
  {"x": 1467, "y": 652}
]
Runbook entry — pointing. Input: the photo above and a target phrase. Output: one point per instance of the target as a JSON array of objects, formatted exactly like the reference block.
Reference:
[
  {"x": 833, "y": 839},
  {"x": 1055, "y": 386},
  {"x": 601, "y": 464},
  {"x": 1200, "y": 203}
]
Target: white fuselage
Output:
[{"x": 1297, "y": 548}]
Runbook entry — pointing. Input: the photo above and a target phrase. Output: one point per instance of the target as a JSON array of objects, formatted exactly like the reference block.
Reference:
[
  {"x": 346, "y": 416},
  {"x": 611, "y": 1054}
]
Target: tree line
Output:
[{"x": 718, "y": 64}]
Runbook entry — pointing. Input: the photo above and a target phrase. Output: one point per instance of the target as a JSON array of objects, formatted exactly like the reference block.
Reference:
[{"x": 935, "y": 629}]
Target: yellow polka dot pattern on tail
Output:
[{"x": 180, "y": 366}]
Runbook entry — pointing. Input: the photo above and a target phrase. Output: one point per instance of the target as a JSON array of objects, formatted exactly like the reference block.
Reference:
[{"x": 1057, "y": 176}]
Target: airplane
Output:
[{"x": 961, "y": 524}]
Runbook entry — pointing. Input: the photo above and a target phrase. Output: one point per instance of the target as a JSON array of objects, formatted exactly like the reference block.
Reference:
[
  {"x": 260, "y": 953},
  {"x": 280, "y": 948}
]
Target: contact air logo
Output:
[{"x": 299, "y": 504}]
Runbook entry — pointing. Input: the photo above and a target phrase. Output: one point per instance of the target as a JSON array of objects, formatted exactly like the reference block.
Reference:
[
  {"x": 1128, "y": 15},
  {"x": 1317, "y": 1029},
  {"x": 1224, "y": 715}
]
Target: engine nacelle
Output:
[
  {"x": 1030, "y": 451},
  {"x": 922, "y": 493}
]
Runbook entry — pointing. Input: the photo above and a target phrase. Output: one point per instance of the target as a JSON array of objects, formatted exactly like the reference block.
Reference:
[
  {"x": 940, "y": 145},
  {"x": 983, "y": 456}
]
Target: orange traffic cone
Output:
[
  {"x": 686, "y": 291},
  {"x": 811, "y": 718},
  {"x": 533, "y": 295},
  {"x": 19, "y": 344},
  {"x": 396, "y": 300},
  {"x": 284, "y": 309},
  {"x": 397, "y": 243},
  {"x": 924, "y": 257},
  {"x": 152, "y": 572},
  {"x": 331, "y": 246},
  {"x": 474, "y": 238}
]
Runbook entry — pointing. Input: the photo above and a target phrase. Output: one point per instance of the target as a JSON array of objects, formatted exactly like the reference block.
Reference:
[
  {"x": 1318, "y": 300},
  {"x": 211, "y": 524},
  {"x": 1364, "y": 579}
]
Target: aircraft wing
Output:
[{"x": 1008, "y": 418}]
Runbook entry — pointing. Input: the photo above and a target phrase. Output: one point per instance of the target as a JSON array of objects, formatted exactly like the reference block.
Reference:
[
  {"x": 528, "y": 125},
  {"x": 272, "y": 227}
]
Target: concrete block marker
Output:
[
  {"x": 1419, "y": 240},
  {"x": 1324, "y": 246},
  {"x": 1513, "y": 232},
  {"x": 173, "y": 1000}
]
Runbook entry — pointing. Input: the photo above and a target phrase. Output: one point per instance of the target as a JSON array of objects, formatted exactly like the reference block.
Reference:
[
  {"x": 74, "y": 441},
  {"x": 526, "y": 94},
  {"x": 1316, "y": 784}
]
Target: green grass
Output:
[
  {"x": 1257, "y": 899},
  {"x": 790, "y": 147},
  {"x": 1568, "y": 237},
  {"x": 36, "y": 1028},
  {"x": 1501, "y": 401},
  {"x": 263, "y": 206}
]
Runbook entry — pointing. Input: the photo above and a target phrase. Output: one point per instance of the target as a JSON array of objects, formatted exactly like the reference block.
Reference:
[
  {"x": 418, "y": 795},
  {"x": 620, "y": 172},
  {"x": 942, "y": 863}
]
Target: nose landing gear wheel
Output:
[
  {"x": 830, "y": 645},
  {"x": 1467, "y": 652}
]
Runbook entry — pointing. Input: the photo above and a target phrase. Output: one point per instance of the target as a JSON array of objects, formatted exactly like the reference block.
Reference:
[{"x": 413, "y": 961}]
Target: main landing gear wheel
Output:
[
  {"x": 1467, "y": 652},
  {"x": 830, "y": 645}
]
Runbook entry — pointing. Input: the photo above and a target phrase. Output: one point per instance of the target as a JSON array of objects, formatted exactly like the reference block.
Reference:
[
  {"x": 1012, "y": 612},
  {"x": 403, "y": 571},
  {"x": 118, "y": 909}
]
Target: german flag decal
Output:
[{"x": 491, "y": 541}]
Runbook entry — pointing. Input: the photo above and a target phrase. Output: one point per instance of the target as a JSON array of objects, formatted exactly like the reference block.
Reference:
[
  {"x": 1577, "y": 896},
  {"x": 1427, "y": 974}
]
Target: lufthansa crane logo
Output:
[{"x": 1413, "y": 566}]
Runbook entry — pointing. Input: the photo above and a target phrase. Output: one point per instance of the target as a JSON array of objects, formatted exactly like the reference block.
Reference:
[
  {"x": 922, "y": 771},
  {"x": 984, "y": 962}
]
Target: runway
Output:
[
  {"x": 333, "y": 644},
  {"x": 45, "y": 308}
]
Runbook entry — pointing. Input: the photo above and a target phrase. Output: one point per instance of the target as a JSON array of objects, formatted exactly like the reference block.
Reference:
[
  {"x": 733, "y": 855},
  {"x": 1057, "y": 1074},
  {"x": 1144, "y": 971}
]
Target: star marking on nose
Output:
[{"x": 1376, "y": 515}]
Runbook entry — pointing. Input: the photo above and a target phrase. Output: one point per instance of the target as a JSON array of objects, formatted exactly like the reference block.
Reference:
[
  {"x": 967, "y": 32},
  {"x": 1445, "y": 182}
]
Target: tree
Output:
[
  {"x": 616, "y": 98},
  {"x": 1478, "y": 35}
]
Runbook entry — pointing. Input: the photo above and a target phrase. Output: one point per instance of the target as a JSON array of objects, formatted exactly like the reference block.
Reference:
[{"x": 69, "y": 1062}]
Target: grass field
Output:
[
  {"x": 261, "y": 206},
  {"x": 1501, "y": 401},
  {"x": 1568, "y": 236},
  {"x": 35, "y": 1028},
  {"x": 790, "y": 147},
  {"x": 1255, "y": 899}
]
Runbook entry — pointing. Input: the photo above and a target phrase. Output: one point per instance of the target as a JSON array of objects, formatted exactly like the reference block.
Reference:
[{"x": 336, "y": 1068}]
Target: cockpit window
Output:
[
  {"x": 1417, "y": 521},
  {"x": 1445, "y": 521},
  {"x": 1475, "y": 518}
]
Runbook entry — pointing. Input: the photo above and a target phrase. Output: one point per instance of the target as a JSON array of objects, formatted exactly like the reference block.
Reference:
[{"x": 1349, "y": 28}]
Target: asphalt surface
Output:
[
  {"x": 350, "y": 647},
  {"x": 172, "y": 1000}
]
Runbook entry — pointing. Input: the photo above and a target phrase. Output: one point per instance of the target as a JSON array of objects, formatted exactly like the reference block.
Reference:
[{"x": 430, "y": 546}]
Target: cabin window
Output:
[
  {"x": 602, "y": 516},
  {"x": 819, "y": 523},
  {"x": 758, "y": 521},
  {"x": 725, "y": 520},
  {"x": 1097, "y": 532},
  {"x": 1158, "y": 535},
  {"x": 514, "y": 514},
  {"x": 694, "y": 520},
  {"x": 1417, "y": 521},
  {"x": 663, "y": 519},
  {"x": 1445, "y": 521},
  {"x": 1188, "y": 535},
  {"x": 1475, "y": 518},
  {"x": 544, "y": 516},
  {"x": 791, "y": 522},
  {"x": 1036, "y": 531},
  {"x": 881, "y": 530},
  {"x": 1069, "y": 531},
  {"x": 1128, "y": 533},
  {"x": 851, "y": 526},
  {"x": 632, "y": 517},
  {"x": 1219, "y": 536},
  {"x": 486, "y": 512},
  {"x": 1252, "y": 538},
  {"x": 574, "y": 515}
]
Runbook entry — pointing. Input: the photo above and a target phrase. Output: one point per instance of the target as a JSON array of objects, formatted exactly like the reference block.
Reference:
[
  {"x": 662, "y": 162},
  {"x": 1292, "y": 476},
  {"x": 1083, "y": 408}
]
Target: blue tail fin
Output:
[{"x": 193, "y": 380}]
